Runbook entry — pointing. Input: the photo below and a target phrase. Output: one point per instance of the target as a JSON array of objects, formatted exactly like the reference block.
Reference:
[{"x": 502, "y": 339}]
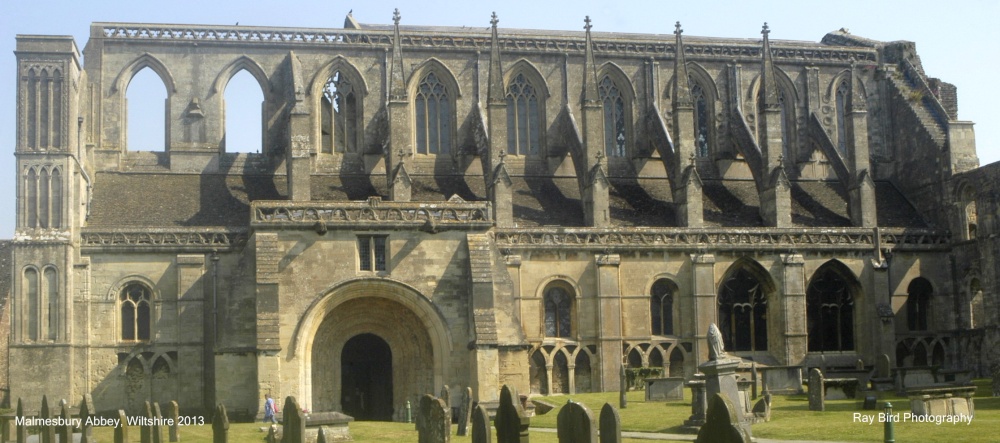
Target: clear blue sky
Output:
[{"x": 957, "y": 41}]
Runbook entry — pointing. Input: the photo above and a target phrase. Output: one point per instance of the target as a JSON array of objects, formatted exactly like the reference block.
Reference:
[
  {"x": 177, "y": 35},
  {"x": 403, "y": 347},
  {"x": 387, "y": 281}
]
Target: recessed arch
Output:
[
  {"x": 146, "y": 60},
  {"x": 526, "y": 67},
  {"x": 832, "y": 297},
  {"x": 434, "y": 93},
  {"x": 242, "y": 108},
  {"x": 444, "y": 74},
  {"x": 344, "y": 66},
  {"x": 336, "y": 96},
  {"x": 617, "y": 95},
  {"x": 242, "y": 63},
  {"x": 744, "y": 292}
]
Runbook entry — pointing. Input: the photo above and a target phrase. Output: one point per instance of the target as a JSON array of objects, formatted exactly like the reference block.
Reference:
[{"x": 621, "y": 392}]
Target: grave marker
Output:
[
  {"x": 575, "y": 424},
  {"x": 157, "y": 424},
  {"x": 294, "y": 425},
  {"x": 146, "y": 431},
  {"x": 173, "y": 411},
  {"x": 816, "y": 395},
  {"x": 121, "y": 432},
  {"x": 20, "y": 431},
  {"x": 611, "y": 425},
  {"x": 65, "y": 431},
  {"x": 220, "y": 425},
  {"x": 481, "y": 426},
  {"x": 465, "y": 413},
  {"x": 721, "y": 424},
  {"x": 86, "y": 413},
  {"x": 47, "y": 434},
  {"x": 511, "y": 422}
]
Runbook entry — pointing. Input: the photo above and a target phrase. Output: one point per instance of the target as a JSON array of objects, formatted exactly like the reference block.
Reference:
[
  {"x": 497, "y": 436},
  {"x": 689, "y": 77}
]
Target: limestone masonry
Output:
[{"x": 481, "y": 206}]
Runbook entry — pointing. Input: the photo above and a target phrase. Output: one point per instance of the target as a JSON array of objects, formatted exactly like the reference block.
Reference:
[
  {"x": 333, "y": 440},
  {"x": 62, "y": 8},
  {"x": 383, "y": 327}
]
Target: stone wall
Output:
[{"x": 6, "y": 272}]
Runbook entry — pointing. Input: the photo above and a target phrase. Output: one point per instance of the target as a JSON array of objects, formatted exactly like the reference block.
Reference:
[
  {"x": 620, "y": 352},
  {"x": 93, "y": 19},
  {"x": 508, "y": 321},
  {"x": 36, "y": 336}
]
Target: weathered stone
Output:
[
  {"x": 220, "y": 425},
  {"x": 439, "y": 429},
  {"x": 665, "y": 388},
  {"x": 320, "y": 436},
  {"x": 699, "y": 405},
  {"x": 173, "y": 412},
  {"x": 293, "y": 429},
  {"x": 720, "y": 378},
  {"x": 542, "y": 407},
  {"x": 762, "y": 409},
  {"x": 157, "y": 431},
  {"x": 20, "y": 431},
  {"x": 481, "y": 432},
  {"x": 121, "y": 431},
  {"x": 145, "y": 430},
  {"x": 883, "y": 369},
  {"x": 511, "y": 421},
  {"x": 721, "y": 423},
  {"x": 611, "y": 425},
  {"x": 817, "y": 396},
  {"x": 622, "y": 388},
  {"x": 446, "y": 396},
  {"x": 575, "y": 424},
  {"x": 86, "y": 413},
  {"x": 465, "y": 413}
]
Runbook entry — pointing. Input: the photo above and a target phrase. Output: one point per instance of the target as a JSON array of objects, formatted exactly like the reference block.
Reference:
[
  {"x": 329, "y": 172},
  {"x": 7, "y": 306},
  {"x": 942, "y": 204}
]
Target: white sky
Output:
[{"x": 956, "y": 40}]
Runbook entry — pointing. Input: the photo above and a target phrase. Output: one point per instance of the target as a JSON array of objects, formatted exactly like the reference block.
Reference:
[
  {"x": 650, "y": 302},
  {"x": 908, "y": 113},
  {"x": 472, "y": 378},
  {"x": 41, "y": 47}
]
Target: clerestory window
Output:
[
  {"x": 433, "y": 116},
  {"x": 135, "y": 312},
  {"x": 523, "y": 118},
  {"x": 372, "y": 252},
  {"x": 614, "y": 117},
  {"x": 340, "y": 115}
]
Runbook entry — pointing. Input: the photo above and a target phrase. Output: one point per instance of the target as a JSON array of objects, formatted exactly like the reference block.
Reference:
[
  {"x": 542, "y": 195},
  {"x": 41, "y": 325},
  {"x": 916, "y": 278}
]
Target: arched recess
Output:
[
  {"x": 538, "y": 373},
  {"x": 704, "y": 92},
  {"x": 410, "y": 302},
  {"x": 322, "y": 125},
  {"x": 663, "y": 303},
  {"x": 146, "y": 60},
  {"x": 619, "y": 136},
  {"x": 838, "y": 94},
  {"x": 31, "y": 307},
  {"x": 919, "y": 304},
  {"x": 977, "y": 308},
  {"x": 743, "y": 313},
  {"x": 120, "y": 88},
  {"x": 526, "y": 123},
  {"x": 788, "y": 98},
  {"x": 433, "y": 92},
  {"x": 967, "y": 213},
  {"x": 559, "y": 305},
  {"x": 832, "y": 297}
]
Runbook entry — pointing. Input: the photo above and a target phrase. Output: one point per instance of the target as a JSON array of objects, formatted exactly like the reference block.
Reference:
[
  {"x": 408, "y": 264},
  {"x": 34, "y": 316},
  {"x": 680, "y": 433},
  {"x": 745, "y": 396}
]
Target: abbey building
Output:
[{"x": 485, "y": 206}]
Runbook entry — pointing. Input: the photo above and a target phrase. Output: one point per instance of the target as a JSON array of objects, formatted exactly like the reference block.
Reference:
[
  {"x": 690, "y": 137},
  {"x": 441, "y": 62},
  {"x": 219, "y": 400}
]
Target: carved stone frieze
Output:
[
  {"x": 202, "y": 239},
  {"x": 434, "y": 216}
]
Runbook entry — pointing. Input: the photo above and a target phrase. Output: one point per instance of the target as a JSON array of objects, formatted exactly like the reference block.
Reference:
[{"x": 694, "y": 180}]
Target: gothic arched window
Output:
[
  {"x": 830, "y": 312},
  {"x": 842, "y": 91},
  {"x": 918, "y": 304},
  {"x": 701, "y": 120},
  {"x": 43, "y": 197},
  {"x": 614, "y": 117},
  {"x": 523, "y": 118},
  {"x": 558, "y": 312},
  {"x": 433, "y": 116},
  {"x": 340, "y": 115},
  {"x": 743, "y": 312},
  {"x": 135, "y": 301},
  {"x": 661, "y": 307}
]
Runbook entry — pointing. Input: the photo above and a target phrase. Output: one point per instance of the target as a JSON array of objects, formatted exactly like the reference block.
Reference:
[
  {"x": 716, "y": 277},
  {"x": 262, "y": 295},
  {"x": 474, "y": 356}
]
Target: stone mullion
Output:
[{"x": 794, "y": 339}]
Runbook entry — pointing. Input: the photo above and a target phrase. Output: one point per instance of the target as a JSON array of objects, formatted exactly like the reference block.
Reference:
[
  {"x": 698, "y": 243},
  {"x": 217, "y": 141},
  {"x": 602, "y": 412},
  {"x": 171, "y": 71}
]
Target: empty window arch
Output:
[
  {"x": 341, "y": 114},
  {"x": 918, "y": 304},
  {"x": 146, "y": 112},
  {"x": 244, "y": 114}
]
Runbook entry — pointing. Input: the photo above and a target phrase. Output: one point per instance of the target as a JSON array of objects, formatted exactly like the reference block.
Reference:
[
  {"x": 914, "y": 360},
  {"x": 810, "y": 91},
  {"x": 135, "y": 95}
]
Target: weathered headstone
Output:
[
  {"x": 86, "y": 414},
  {"x": 157, "y": 424},
  {"x": 762, "y": 409},
  {"x": 816, "y": 394},
  {"x": 882, "y": 367},
  {"x": 20, "y": 431},
  {"x": 446, "y": 396},
  {"x": 996, "y": 380},
  {"x": 611, "y": 425},
  {"x": 145, "y": 430},
  {"x": 623, "y": 390},
  {"x": 481, "y": 426},
  {"x": 64, "y": 431},
  {"x": 439, "y": 421},
  {"x": 220, "y": 425},
  {"x": 699, "y": 404},
  {"x": 511, "y": 422},
  {"x": 47, "y": 434},
  {"x": 465, "y": 413},
  {"x": 173, "y": 412},
  {"x": 721, "y": 423},
  {"x": 575, "y": 424},
  {"x": 321, "y": 436},
  {"x": 272, "y": 433},
  {"x": 423, "y": 417},
  {"x": 121, "y": 431},
  {"x": 294, "y": 422}
]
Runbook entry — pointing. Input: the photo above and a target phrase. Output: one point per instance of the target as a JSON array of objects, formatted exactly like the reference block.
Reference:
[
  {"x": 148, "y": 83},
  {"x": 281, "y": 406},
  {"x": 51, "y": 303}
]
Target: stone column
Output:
[
  {"x": 609, "y": 312},
  {"x": 793, "y": 311},
  {"x": 703, "y": 292},
  {"x": 881, "y": 300}
]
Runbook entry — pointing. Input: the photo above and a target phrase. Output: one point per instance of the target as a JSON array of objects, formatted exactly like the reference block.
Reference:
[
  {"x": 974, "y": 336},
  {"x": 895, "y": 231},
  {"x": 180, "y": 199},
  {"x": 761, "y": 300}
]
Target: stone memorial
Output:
[
  {"x": 481, "y": 425},
  {"x": 511, "y": 421},
  {"x": 439, "y": 422},
  {"x": 20, "y": 430},
  {"x": 335, "y": 426},
  {"x": 610, "y": 425},
  {"x": 87, "y": 413},
  {"x": 699, "y": 405},
  {"x": 145, "y": 430},
  {"x": 721, "y": 423},
  {"x": 320, "y": 436},
  {"x": 623, "y": 388},
  {"x": 816, "y": 390},
  {"x": 47, "y": 434},
  {"x": 173, "y": 412},
  {"x": 575, "y": 424},
  {"x": 64, "y": 432},
  {"x": 955, "y": 401},
  {"x": 465, "y": 413},
  {"x": 446, "y": 397},
  {"x": 882, "y": 380},
  {"x": 422, "y": 421},
  {"x": 762, "y": 409},
  {"x": 220, "y": 425},
  {"x": 121, "y": 432},
  {"x": 782, "y": 380},
  {"x": 157, "y": 432},
  {"x": 293, "y": 428},
  {"x": 720, "y": 372},
  {"x": 664, "y": 388}
]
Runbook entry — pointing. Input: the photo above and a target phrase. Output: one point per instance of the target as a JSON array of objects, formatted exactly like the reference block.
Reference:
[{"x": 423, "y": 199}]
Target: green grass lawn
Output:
[{"x": 790, "y": 419}]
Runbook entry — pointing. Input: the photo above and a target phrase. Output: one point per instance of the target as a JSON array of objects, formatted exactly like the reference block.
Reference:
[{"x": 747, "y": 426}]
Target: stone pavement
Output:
[{"x": 687, "y": 437}]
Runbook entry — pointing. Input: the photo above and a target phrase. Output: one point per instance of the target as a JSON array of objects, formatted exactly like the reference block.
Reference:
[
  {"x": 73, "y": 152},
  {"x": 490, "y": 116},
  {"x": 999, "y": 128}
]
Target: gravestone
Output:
[
  {"x": 721, "y": 423},
  {"x": 754, "y": 379},
  {"x": 272, "y": 433},
  {"x": 439, "y": 421},
  {"x": 481, "y": 426},
  {"x": 157, "y": 424},
  {"x": 446, "y": 396},
  {"x": 511, "y": 421},
  {"x": 611, "y": 425},
  {"x": 465, "y": 413},
  {"x": 64, "y": 431},
  {"x": 173, "y": 412},
  {"x": 47, "y": 434},
  {"x": 699, "y": 405},
  {"x": 816, "y": 394},
  {"x": 762, "y": 409},
  {"x": 321, "y": 436},
  {"x": 859, "y": 365},
  {"x": 20, "y": 431},
  {"x": 424, "y": 406},
  {"x": 720, "y": 372},
  {"x": 294, "y": 422},
  {"x": 220, "y": 425},
  {"x": 664, "y": 388},
  {"x": 575, "y": 424},
  {"x": 622, "y": 397},
  {"x": 86, "y": 413},
  {"x": 146, "y": 431},
  {"x": 121, "y": 431},
  {"x": 882, "y": 367},
  {"x": 996, "y": 380}
]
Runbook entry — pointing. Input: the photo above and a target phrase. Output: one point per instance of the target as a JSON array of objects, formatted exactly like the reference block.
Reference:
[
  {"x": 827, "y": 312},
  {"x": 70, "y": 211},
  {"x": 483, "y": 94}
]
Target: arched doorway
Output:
[{"x": 366, "y": 378}]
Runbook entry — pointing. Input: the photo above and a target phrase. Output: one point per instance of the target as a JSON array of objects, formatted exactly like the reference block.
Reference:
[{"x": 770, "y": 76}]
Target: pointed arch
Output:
[
  {"x": 534, "y": 75},
  {"x": 744, "y": 292},
  {"x": 146, "y": 60},
  {"x": 919, "y": 304},
  {"x": 336, "y": 93},
  {"x": 444, "y": 74},
  {"x": 31, "y": 312},
  {"x": 788, "y": 99},
  {"x": 338, "y": 64},
  {"x": 832, "y": 297},
  {"x": 433, "y": 93},
  {"x": 525, "y": 93},
  {"x": 617, "y": 95},
  {"x": 242, "y": 63}
]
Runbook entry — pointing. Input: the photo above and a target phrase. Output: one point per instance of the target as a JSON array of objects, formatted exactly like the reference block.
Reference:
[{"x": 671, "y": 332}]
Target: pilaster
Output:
[
  {"x": 705, "y": 310},
  {"x": 609, "y": 318},
  {"x": 794, "y": 341}
]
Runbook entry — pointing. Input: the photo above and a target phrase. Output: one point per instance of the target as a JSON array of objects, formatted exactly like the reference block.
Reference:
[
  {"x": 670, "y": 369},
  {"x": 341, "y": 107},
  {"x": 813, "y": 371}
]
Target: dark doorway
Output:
[{"x": 366, "y": 378}]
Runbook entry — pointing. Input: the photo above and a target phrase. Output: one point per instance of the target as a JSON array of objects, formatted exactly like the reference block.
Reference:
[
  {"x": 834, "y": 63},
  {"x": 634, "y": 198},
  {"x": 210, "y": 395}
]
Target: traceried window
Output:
[
  {"x": 842, "y": 91},
  {"x": 136, "y": 318},
  {"x": 340, "y": 115},
  {"x": 614, "y": 117},
  {"x": 523, "y": 119},
  {"x": 661, "y": 307},
  {"x": 830, "y": 312},
  {"x": 701, "y": 121},
  {"x": 558, "y": 312},
  {"x": 433, "y": 116},
  {"x": 743, "y": 312},
  {"x": 918, "y": 304},
  {"x": 372, "y": 252}
]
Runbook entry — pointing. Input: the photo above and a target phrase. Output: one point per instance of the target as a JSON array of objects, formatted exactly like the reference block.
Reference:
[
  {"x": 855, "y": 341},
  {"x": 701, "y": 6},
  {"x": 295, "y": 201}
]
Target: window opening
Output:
[
  {"x": 614, "y": 117},
  {"x": 145, "y": 126},
  {"x": 830, "y": 313},
  {"x": 244, "y": 114},
  {"x": 558, "y": 305},
  {"x": 372, "y": 252},
  {"x": 523, "y": 120},
  {"x": 743, "y": 313},
  {"x": 135, "y": 311},
  {"x": 433, "y": 117},
  {"x": 661, "y": 306}
]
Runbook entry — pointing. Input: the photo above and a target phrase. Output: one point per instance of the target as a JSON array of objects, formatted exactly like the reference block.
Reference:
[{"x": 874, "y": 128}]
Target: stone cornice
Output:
[
  {"x": 371, "y": 214},
  {"x": 166, "y": 239}
]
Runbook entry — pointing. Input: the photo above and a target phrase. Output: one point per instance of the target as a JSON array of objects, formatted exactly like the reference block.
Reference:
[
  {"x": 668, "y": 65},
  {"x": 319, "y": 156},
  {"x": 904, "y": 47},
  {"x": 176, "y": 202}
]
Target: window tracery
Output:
[
  {"x": 614, "y": 117},
  {"x": 842, "y": 91},
  {"x": 701, "y": 119},
  {"x": 743, "y": 312},
  {"x": 558, "y": 312},
  {"x": 136, "y": 317},
  {"x": 340, "y": 115},
  {"x": 523, "y": 117},
  {"x": 661, "y": 306},
  {"x": 830, "y": 312},
  {"x": 433, "y": 116}
]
